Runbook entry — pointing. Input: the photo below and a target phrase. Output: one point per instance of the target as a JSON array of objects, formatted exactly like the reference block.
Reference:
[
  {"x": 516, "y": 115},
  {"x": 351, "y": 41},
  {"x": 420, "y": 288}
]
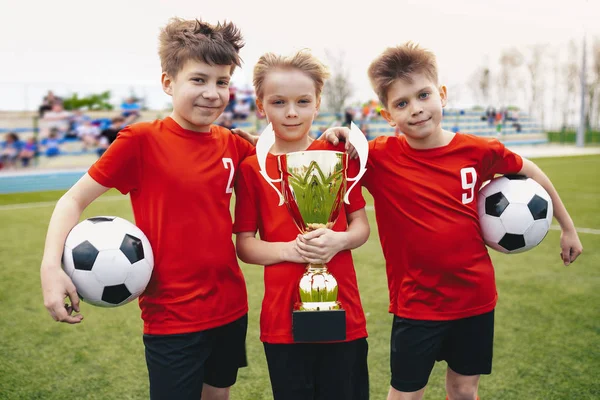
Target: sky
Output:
[{"x": 88, "y": 46}]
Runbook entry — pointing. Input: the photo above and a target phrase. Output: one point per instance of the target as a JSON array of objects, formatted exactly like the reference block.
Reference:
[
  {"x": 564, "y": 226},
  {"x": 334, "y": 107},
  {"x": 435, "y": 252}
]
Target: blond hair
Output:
[
  {"x": 182, "y": 40},
  {"x": 302, "y": 60},
  {"x": 399, "y": 63}
]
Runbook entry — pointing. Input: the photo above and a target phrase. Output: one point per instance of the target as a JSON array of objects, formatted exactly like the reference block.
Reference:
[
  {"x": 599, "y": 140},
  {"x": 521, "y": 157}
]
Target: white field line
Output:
[
  {"x": 553, "y": 227},
  {"x": 25, "y": 206}
]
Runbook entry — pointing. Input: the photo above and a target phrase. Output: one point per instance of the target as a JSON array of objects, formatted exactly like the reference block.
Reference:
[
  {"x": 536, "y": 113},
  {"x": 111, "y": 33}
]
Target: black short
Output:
[
  {"x": 465, "y": 344},
  {"x": 319, "y": 370},
  {"x": 178, "y": 365}
]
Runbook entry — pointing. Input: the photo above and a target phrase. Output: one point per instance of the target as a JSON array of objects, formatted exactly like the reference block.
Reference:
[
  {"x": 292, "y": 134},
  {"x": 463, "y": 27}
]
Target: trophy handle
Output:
[
  {"x": 359, "y": 141},
  {"x": 263, "y": 145}
]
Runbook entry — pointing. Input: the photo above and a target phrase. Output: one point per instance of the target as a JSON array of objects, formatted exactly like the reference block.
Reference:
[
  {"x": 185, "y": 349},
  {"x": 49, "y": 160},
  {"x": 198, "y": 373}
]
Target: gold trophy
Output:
[{"x": 313, "y": 186}]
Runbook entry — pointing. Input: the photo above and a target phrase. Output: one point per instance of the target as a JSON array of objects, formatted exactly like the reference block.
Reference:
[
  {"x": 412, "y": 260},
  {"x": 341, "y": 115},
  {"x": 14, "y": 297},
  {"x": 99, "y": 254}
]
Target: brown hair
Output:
[
  {"x": 182, "y": 40},
  {"x": 302, "y": 60},
  {"x": 399, "y": 63}
]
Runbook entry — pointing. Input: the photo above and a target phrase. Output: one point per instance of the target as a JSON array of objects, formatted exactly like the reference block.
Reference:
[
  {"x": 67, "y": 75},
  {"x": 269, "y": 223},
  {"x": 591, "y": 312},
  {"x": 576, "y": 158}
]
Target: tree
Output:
[
  {"x": 338, "y": 87},
  {"x": 593, "y": 113},
  {"x": 480, "y": 85},
  {"x": 510, "y": 61},
  {"x": 535, "y": 61},
  {"x": 571, "y": 73},
  {"x": 92, "y": 102}
]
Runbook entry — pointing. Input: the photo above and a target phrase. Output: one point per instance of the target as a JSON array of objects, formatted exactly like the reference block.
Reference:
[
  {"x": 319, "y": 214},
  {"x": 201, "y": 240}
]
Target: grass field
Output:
[{"x": 547, "y": 343}]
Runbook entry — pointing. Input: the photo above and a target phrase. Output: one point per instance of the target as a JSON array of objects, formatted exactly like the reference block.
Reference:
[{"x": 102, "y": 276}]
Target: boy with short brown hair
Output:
[
  {"x": 179, "y": 173},
  {"x": 425, "y": 183}
]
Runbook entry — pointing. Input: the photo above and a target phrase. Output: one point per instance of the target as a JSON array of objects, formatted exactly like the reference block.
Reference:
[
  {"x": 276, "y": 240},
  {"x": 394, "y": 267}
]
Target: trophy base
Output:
[{"x": 319, "y": 326}]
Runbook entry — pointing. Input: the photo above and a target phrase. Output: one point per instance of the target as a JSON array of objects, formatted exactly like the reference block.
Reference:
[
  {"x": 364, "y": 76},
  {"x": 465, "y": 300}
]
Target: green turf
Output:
[{"x": 547, "y": 343}]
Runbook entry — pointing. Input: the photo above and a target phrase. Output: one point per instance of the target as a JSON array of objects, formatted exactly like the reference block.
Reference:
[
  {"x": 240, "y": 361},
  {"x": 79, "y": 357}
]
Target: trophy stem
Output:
[{"x": 316, "y": 268}]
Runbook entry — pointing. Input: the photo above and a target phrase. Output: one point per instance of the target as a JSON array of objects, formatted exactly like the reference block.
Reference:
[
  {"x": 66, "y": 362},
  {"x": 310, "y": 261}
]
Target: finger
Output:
[
  {"x": 564, "y": 255},
  {"x": 575, "y": 254},
  {"x": 74, "y": 297},
  {"x": 314, "y": 234},
  {"x": 63, "y": 316}
]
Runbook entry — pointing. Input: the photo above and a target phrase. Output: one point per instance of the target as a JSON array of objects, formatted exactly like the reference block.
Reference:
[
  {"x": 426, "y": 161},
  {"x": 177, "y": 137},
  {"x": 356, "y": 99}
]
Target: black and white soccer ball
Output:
[
  {"x": 109, "y": 260},
  {"x": 515, "y": 213}
]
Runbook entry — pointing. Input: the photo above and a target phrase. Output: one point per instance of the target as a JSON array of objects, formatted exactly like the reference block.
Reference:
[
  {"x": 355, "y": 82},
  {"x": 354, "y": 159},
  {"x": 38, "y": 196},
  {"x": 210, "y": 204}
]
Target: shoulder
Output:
[
  {"x": 325, "y": 145},
  {"x": 249, "y": 163},
  {"x": 383, "y": 142}
]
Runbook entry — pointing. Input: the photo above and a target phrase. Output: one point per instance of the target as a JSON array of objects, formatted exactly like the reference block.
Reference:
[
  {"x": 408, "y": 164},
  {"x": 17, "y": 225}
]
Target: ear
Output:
[
  {"x": 444, "y": 95},
  {"x": 167, "y": 83},
  {"x": 259, "y": 106},
  {"x": 387, "y": 116}
]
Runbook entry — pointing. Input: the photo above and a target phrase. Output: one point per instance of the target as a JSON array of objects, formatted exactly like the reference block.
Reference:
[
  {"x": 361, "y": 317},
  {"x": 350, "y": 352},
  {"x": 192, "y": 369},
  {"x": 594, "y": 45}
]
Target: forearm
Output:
[
  {"x": 252, "y": 250},
  {"x": 358, "y": 231},
  {"x": 560, "y": 212},
  {"x": 65, "y": 216}
]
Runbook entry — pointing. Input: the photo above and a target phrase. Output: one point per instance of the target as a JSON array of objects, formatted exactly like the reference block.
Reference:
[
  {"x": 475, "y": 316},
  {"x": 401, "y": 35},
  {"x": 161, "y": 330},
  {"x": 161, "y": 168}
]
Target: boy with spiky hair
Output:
[
  {"x": 425, "y": 183},
  {"x": 179, "y": 173}
]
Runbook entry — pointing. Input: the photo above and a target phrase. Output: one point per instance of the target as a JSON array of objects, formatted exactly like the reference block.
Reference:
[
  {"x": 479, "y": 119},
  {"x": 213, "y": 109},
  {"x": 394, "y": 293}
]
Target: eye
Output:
[
  {"x": 401, "y": 104},
  {"x": 304, "y": 101},
  {"x": 198, "y": 80},
  {"x": 223, "y": 83},
  {"x": 277, "y": 102},
  {"x": 424, "y": 95}
]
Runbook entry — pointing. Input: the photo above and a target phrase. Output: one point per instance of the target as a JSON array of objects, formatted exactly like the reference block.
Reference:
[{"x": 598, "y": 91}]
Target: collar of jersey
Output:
[{"x": 174, "y": 127}]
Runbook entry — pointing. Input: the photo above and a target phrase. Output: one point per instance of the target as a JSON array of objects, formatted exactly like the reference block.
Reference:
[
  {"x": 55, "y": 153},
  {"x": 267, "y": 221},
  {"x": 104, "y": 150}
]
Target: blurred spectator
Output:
[
  {"x": 108, "y": 135},
  {"x": 130, "y": 110},
  {"x": 28, "y": 152},
  {"x": 490, "y": 113},
  {"x": 227, "y": 122},
  {"x": 57, "y": 119},
  {"x": 10, "y": 150},
  {"x": 348, "y": 116},
  {"x": 48, "y": 102},
  {"x": 232, "y": 99},
  {"x": 52, "y": 143},
  {"x": 241, "y": 109},
  {"x": 76, "y": 119},
  {"x": 88, "y": 133}
]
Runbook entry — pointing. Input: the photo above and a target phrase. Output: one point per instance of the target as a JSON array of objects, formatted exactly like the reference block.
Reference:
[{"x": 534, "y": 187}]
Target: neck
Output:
[
  {"x": 437, "y": 139},
  {"x": 188, "y": 126},
  {"x": 284, "y": 147}
]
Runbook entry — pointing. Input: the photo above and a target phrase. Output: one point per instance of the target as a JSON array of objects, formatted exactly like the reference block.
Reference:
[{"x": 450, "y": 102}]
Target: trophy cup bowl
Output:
[{"x": 313, "y": 187}]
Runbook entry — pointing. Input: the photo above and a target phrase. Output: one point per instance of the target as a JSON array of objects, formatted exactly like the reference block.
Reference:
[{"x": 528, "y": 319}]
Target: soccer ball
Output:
[
  {"x": 515, "y": 213},
  {"x": 109, "y": 260}
]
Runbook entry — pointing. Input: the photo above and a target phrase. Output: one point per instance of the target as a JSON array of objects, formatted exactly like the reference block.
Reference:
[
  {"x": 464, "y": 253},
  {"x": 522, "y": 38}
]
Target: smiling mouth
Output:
[
  {"x": 291, "y": 126},
  {"x": 420, "y": 122}
]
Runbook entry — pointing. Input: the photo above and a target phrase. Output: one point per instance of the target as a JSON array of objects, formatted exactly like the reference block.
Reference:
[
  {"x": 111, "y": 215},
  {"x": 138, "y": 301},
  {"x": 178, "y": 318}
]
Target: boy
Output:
[
  {"x": 424, "y": 184},
  {"x": 288, "y": 92},
  {"x": 179, "y": 172}
]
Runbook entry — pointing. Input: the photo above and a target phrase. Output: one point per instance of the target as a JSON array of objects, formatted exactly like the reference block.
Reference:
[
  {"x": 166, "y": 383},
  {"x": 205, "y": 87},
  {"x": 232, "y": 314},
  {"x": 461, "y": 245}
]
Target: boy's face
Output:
[
  {"x": 290, "y": 103},
  {"x": 416, "y": 108},
  {"x": 200, "y": 94}
]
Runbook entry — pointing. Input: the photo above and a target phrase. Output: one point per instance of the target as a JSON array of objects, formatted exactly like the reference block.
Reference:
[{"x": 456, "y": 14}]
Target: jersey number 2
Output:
[
  {"x": 468, "y": 178},
  {"x": 228, "y": 164}
]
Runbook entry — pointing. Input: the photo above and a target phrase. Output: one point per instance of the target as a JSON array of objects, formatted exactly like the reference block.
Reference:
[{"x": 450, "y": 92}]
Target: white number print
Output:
[
  {"x": 228, "y": 164},
  {"x": 468, "y": 177}
]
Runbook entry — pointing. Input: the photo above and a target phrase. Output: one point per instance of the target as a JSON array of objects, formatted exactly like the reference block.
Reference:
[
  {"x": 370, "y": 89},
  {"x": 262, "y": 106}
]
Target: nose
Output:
[
  {"x": 210, "y": 93},
  {"x": 291, "y": 112},
  {"x": 416, "y": 108}
]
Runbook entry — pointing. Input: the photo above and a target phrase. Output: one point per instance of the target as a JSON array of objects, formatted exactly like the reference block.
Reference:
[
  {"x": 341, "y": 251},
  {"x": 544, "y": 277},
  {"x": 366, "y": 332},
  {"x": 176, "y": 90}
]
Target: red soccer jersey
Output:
[
  {"x": 257, "y": 209},
  {"x": 438, "y": 266},
  {"x": 181, "y": 183}
]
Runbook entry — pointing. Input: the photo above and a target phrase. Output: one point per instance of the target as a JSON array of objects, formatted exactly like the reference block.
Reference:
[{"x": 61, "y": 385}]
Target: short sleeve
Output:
[
  {"x": 119, "y": 166},
  {"x": 246, "y": 210},
  {"x": 500, "y": 160},
  {"x": 244, "y": 148}
]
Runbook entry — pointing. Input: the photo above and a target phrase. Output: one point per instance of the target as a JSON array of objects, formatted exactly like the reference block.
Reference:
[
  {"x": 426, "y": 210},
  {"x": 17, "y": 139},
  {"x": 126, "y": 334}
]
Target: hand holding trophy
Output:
[{"x": 313, "y": 185}]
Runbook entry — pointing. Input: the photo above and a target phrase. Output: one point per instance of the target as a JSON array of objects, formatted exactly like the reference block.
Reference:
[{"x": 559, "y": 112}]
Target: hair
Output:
[
  {"x": 302, "y": 60},
  {"x": 399, "y": 63},
  {"x": 182, "y": 40}
]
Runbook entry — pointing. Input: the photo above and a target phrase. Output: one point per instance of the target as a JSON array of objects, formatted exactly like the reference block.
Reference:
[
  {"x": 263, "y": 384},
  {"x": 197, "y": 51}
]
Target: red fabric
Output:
[
  {"x": 257, "y": 209},
  {"x": 437, "y": 264},
  {"x": 180, "y": 184}
]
